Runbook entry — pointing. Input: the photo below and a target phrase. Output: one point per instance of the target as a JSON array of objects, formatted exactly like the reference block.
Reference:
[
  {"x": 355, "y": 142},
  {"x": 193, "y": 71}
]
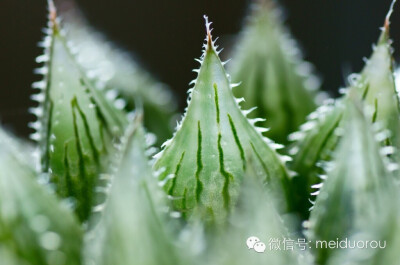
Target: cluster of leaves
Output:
[{"x": 91, "y": 191}]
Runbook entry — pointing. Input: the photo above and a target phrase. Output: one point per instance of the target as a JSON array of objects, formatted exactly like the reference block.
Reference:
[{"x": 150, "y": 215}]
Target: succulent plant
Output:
[
  {"x": 225, "y": 140},
  {"x": 362, "y": 183},
  {"x": 77, "y": 127},
  {"x": 93, "y": 190},
  {"x": 268, "y": 64},
  {"x": 115, "y": 71},
  {"x": 318, "y": 137}
]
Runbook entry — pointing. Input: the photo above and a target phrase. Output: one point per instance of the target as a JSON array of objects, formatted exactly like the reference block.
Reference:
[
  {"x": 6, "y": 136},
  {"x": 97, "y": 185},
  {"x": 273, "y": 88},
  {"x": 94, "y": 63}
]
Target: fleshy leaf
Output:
[
  {"x": 35, "y": 228},
  {"x": 313, "y": 148},
  {"x": 358, "y": 196},
  {"x": 256, "y": 216},
  {"x": 77, "y": 127},
  {"x": 134, "y": 225},
  {"x": 116, "y": 72},
  {"x": 274, "y": 78},
  {"x": 376, "y": 86},
  {"x": 318, "y": 137},
  {"x": 204, "y": 162}
]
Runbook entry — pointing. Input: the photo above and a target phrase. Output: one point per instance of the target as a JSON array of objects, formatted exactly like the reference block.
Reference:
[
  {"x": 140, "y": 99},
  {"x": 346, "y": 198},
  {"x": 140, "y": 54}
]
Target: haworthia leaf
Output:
[
  {"x": 205, "y": 161},
  {"x": 274, "y": 78},
  {"x": 77, "y": 127},
  {"x": 256, "y": 217},
  {"x": 117, "y": 73},
  {"x": 134, "y": 228},
  {"x": 358, "y": 196},
  {"x": 313, "y": 147},
  {"x": 35, "y": 228},
  {"x": 375, "y": 86}
]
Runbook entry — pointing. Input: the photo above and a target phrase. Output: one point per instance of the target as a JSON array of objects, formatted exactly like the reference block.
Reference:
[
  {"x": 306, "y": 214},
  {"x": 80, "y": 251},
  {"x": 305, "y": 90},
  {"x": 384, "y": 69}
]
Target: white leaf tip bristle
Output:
[
  {"x": 210, "y": 43},
  {"x": 388, "y": 16},
  {"x": 225, "y": 62},
  {"x": 317, "y": 186},
  {"x": 52, "y": 12},
  {"x": 98, "y": 208},
  {"x": 315, "y": 193}
]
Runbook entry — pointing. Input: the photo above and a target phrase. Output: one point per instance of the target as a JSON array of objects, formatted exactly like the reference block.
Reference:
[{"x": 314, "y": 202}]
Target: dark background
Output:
[{"x": 166, "y": 35}]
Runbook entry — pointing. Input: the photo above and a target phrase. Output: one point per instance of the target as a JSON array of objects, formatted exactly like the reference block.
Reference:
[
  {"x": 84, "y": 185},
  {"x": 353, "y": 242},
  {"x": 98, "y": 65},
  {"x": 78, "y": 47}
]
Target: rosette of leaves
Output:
[
  {"x": 35, "y": 229},
  {"x": 218, "y": 168},
  {"x": 116, "y": 72},
  {"x": 204, "y": 163},
  {"x": 273, "y": 75},
  {"x": 358, "y": 200},
  {"x": 76, "y": 128},
  {"x": 318, "y": 137}
]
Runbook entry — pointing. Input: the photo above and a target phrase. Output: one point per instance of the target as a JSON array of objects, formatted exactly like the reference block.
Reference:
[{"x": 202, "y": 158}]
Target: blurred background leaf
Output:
[{"x": 35, "y": 227}]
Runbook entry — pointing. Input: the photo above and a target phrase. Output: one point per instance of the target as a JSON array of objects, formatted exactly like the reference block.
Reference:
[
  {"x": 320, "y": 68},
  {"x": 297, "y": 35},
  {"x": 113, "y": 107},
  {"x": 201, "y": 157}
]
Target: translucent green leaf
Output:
[
  {"x": 134, "y": 228},
  {"x": 358, "y": 197},
  {"x": 274, "y": 78},
  {"x": 77, "y": 127},
  {"x": 313, "y": 147},
  {"x": 120, "y": 75},
  {"x": 317, "y": 139},
  {"x": 204, "y": 163},
  {"x": 377, "y": 87},
  {"x": 256, "y": 216},
  {"x": 34, "y": 228}
]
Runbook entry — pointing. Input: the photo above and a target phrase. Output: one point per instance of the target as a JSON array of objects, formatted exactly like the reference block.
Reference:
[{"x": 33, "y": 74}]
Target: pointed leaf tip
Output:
[
  {"x": 275, "y": 77},
  {"x": 52, "y": 11},
  {"x": 388, "y": 16},
  {"x": 210, "y": 44}
]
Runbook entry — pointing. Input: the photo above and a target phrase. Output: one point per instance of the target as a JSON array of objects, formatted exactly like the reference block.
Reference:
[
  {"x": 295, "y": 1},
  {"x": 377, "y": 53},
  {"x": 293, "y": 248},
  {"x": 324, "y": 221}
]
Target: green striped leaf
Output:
[
  {"x": 317, "y": 139},
  {"x": 274, "y": 77},
  {"x": 117, "y": 73},
  {"x": 358, "y": 196},
  {"x": 204, "y": 163},
  {"x": 76, "y": 127},
  {"x": 311, "y": 150},
  {"x": 376, "y": 86}
]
